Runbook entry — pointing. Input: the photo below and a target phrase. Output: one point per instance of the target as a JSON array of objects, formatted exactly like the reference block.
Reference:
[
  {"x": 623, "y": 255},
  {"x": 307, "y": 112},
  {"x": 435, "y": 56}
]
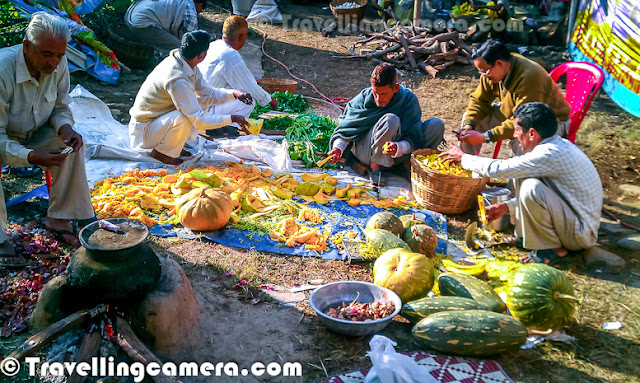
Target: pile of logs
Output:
[{"x": 410, "y": 48}]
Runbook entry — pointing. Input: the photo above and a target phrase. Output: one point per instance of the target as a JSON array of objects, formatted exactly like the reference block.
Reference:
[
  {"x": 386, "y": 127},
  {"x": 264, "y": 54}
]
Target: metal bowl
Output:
[{"x": 334, "y": 294}]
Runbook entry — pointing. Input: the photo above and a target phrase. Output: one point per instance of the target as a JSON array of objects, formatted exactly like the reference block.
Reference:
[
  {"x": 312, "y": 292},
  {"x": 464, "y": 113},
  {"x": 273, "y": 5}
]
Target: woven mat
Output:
[{"x": 446, "y": 369}]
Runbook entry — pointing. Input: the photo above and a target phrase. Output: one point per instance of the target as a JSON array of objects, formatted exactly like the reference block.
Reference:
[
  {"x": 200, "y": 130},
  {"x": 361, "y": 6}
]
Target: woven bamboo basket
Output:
[
  {"x": 278, "y": 85},
  {"x": 444, "y": 193},
  {"x": 349, "y": 15}
]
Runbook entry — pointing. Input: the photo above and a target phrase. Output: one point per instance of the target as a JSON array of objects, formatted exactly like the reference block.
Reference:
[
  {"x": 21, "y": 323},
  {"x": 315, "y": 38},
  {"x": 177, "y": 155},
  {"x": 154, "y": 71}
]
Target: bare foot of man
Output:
[{"x": 164, "y": 158}]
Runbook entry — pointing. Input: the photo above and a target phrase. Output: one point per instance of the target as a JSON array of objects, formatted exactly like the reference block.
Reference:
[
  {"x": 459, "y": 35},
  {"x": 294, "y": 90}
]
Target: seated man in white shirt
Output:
[
  {"x": 36, "y": 124},
  {"x": 224, "y": 68},
  {"x": 558, "y": 190},
  {"x": 173, "y": 103}
]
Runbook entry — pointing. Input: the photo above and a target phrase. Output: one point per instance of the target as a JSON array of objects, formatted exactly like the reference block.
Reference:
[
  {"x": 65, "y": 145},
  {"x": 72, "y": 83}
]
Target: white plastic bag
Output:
[
  {"x": 391, "y": 367},
  {"x": 265, "y": 11}
]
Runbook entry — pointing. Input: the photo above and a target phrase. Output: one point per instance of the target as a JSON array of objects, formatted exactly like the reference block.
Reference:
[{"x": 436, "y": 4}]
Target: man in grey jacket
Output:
[{"x": 161, "y": 23}]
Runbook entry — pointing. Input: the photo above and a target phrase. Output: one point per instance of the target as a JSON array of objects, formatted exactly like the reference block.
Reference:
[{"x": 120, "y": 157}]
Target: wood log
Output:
[
  {"x": 441, "y": 56},
  {"x": 404, "y": 43},
  {"x": 442, "y": 66},
  {"x": 428, "y": 69},
  {"x": 444, "y": 47},
  {"x": 132, "y": 346},
  {"x": 442, "y": 37},
  {"x": 46, "y": 336},
  {"x": 89, "y": 348},
  {"x": 377, "y": 54}
]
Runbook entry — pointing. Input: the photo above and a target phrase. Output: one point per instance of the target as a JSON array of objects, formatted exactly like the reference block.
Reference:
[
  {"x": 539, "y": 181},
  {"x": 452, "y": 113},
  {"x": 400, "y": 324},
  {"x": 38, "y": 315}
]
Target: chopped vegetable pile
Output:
[
  {"x": 19, "y": 290},
  {"x": 445, "y": 167},
  {"x": 359, "y": 312}
]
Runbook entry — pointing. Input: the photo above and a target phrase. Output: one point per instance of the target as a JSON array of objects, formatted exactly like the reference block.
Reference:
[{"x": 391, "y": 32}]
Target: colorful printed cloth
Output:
[
  {"x": 446, "y": 369},
  {"x": 607, "y": 33}
]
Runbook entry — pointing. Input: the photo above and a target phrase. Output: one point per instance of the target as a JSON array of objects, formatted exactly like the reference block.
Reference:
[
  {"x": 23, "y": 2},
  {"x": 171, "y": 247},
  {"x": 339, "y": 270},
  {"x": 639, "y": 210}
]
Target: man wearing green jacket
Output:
[
  {"x": 507, "y": 80},
  {"x": 382, "y": 126}
]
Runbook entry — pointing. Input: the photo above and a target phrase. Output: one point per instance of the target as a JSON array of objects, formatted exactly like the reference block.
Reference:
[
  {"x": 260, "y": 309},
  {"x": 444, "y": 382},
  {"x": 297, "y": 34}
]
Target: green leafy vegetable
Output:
[
  {"x": 287, "y": 102},
  {"x": 308, "y": 136}
]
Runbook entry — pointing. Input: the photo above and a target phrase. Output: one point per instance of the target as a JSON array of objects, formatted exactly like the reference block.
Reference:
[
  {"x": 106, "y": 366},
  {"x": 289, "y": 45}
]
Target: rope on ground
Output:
[
  {"x": 613, "y": 217},
  {"x": 335, "y": 100}
]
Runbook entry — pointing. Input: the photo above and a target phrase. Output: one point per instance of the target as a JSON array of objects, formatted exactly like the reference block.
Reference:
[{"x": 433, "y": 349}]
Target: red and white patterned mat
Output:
[{"x": 446, "y": 369}]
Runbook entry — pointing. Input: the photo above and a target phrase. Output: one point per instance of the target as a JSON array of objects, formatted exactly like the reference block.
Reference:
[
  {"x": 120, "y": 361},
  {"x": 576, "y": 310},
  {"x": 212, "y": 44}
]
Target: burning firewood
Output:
[
  {"x": 132, "y": 346},
  {"x": 46, "y": 336},
  {"x": 411, "y": 48}
]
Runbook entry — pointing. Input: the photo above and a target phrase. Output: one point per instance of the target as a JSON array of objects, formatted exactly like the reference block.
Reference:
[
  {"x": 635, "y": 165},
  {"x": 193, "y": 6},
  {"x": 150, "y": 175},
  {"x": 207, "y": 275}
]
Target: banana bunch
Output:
[
  {"x": 445, "y": 167},
  {"x": 491, "y": 13},
  {"x": 464, "y": 9},
  {"x": 474, "y": 270}
]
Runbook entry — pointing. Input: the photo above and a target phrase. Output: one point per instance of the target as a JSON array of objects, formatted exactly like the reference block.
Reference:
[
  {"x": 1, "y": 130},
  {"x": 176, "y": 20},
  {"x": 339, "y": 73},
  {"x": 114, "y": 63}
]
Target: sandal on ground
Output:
[
  {"x": 64, "y": 235},
  {"x": 547, "y": 256},
  {"x": 377, "y": 178},
  {"x": 9, "y": 258},
  {"x": 12, "y": 261}
]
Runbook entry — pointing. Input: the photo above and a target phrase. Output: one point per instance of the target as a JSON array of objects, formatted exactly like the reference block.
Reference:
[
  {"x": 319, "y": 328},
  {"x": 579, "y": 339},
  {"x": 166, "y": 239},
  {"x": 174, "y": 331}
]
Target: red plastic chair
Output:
[{"x": 583, "y": 82}]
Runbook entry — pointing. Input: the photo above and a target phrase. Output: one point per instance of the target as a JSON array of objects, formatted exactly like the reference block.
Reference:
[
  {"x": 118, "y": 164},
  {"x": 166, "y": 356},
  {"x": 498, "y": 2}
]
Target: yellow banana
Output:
[{"x": 457, "y": 268}]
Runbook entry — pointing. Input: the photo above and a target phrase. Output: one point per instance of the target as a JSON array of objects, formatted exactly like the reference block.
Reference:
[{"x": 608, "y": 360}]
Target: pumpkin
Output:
[
  {"x": 421, "y": 239},
  {"x": 410, "y": 275},
  {"x": 409, "y": 220},
  {"x": 204, "y": 209},
  {"x": 379, "y": 241},
  {"x": 541, "y": 297},
  {"x": 387, "y": 221}
]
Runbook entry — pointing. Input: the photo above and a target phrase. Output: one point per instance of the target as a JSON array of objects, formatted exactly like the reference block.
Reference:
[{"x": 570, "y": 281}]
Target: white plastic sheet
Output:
[{"x": 108, "y": 152}]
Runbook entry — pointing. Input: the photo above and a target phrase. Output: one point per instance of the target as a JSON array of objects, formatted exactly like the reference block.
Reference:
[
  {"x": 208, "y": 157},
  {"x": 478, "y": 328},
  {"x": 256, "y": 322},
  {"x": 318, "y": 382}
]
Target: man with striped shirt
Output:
[
  {"x": 558, "y": 190},
  {"x": 224, "y": 68}
]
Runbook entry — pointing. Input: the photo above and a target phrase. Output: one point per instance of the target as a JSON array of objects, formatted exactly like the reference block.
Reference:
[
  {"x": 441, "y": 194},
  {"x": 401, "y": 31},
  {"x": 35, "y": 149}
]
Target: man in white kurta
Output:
[
  {"x": 224, "y": 68},
  {"x": 36, "y": 122},
  {"x": 558, "y": 190},
  {"x": 162, "y": 23},
  {"x": 173, "y": 103}
]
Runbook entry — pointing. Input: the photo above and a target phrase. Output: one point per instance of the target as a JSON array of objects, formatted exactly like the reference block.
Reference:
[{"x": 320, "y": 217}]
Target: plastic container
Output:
[{"x": 493, "y": 196}]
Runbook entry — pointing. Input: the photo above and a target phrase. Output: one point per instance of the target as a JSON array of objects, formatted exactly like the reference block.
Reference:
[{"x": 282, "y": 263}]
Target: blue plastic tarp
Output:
[{"x": 340, "y": 214}]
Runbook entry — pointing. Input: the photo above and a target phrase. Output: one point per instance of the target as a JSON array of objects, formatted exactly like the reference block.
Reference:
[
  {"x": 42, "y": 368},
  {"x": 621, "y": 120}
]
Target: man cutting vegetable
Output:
[
  {"x": 382, "y": 126},
  {"x": 558, "y": 190},
  {"x": 507, "y": 80},
  {"x": 173, "y": 103}
]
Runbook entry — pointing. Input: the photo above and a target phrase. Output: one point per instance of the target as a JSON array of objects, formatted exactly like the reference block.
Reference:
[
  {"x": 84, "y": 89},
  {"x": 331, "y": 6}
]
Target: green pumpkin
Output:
[
  {"x": 387, "y": 221},
  {"x": 541, "y": 297},
  {"x": 421, "y": 239},
  {"x": 466, "y": 286},
  {"x": 409, "y": 220},
  {"x": 380, "y": 241}
]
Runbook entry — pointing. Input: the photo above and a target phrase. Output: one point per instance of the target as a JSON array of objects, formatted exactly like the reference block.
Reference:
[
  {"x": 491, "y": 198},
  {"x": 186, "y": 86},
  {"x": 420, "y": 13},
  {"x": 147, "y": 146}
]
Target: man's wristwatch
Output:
[{"x": 486, "y": 137}]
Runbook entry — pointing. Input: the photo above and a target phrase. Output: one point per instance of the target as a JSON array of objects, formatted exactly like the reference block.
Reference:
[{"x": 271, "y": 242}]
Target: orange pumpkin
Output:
[{"x": 204, "y": 209}]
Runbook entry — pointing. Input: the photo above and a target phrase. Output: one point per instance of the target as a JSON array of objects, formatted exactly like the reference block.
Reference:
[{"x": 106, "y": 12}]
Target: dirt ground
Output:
[{"x": 233, "y": 329}]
